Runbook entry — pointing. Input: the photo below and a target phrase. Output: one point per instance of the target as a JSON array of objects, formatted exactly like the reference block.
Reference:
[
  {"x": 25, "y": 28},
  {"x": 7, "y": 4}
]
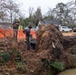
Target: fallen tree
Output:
[
  {"x": 49, "y": 33},
  {"x": 41, "y": 61}
]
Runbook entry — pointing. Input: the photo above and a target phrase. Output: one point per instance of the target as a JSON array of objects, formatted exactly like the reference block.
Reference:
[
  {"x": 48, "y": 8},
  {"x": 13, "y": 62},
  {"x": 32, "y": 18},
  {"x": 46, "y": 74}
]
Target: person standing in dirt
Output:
[
  {"x": 27, "y": 33},
  {"x": 15, "y": 28}
]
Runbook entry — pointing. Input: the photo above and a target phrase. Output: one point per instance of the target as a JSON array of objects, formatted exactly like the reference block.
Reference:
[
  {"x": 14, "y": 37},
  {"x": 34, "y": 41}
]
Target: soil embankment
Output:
[{"x": 50, "y": 43}]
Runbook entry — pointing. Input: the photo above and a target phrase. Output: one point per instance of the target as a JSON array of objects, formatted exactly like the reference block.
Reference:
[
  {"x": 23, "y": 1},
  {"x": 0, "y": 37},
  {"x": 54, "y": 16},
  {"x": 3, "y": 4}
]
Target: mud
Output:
[{"x": 68, "y": 72}]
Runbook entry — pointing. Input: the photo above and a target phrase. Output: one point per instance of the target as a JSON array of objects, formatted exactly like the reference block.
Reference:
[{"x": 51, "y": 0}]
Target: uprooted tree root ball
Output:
[{"x": 16, "y": 60}]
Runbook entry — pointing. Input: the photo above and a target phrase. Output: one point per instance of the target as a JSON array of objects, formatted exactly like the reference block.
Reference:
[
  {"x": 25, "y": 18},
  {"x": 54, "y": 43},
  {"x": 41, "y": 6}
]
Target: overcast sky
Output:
[{"x": 44, "y": 4}]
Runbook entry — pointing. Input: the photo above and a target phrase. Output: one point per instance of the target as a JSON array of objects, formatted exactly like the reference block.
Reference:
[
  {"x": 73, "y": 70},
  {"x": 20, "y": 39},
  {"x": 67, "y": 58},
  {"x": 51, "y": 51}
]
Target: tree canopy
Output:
[{"x": 64, "y": 13}]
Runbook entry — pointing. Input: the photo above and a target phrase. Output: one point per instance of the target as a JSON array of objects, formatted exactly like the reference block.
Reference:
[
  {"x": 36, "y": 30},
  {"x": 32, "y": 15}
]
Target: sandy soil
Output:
[{"x": 69, "y": 33}]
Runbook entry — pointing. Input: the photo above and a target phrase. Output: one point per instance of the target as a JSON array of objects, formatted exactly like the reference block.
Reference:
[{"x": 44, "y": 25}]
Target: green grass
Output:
[{"x": 58, "y": 65}]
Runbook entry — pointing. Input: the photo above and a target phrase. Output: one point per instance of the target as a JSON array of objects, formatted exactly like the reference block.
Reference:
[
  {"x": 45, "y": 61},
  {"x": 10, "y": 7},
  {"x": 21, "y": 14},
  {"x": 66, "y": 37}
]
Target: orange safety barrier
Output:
[
  {"x": 21, "y": 35},
  {"x": 9, "y": 33},
  {"x": 1, "y": 33},
  {"x": 5, "y": 33}
]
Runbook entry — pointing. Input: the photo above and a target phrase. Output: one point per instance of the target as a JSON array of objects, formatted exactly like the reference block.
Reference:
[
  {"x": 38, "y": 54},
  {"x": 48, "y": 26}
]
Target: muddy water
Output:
[{"x": 68, "y": 72}]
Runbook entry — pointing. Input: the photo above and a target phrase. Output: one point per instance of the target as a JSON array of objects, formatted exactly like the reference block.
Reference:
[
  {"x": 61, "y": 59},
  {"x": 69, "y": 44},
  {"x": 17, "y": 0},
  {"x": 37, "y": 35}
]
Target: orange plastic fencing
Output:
[
  {"x": 5, "y": 33},
  {"x": 1, "y": 33},
  {"x": 21, "y": 35},
  {"x": 9, "y": 33}
]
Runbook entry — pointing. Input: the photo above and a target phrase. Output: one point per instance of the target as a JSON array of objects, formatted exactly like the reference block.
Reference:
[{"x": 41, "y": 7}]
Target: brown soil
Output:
[{"x": 31, "y": 63}]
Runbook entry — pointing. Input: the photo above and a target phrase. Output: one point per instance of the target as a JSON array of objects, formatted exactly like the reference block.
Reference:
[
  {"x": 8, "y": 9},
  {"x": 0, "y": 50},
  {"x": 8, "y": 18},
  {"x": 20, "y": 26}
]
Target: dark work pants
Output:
[
  {"x": 15, "y": 34},
  {"x": 28, "y": 43},
  {"x": 33, "y": 45}
]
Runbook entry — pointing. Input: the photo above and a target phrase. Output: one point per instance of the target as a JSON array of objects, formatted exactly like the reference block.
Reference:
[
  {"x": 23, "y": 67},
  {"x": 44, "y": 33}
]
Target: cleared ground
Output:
[{"x": 69, "y": 33}]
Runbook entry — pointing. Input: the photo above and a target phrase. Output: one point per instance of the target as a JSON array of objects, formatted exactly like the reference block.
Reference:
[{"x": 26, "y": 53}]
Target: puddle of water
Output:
[{"x": 68, "y": 72}]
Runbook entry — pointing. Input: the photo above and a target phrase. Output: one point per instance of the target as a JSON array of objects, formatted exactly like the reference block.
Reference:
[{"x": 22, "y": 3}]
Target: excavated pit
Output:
[{"x": 32, "y": 60}]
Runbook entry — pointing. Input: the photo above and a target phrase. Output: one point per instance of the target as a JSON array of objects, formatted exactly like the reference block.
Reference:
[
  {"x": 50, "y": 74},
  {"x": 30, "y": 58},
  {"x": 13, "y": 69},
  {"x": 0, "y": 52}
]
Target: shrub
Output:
[
  {"x": 58, "y": 65},
  {"x": 5, "y": 56}
]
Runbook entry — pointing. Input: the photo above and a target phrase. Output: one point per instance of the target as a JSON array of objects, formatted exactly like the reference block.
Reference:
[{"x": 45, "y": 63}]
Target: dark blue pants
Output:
[
  {"x": 33, "y": 45},
  {"x": 15, "y": 34},
  {"x": 28, "y": 43}
]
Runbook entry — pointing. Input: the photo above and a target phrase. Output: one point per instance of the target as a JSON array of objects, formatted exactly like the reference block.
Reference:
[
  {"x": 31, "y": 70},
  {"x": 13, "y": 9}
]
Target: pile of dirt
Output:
[
  {"x": 49, "y": 33},
  {"x": 36, "y": 62},
  {"x": 69, "y": 41},
  {"x": 22, "y": 61},
  {"x": 46, "y": 35},
  {"x": 72, "y": 49}
]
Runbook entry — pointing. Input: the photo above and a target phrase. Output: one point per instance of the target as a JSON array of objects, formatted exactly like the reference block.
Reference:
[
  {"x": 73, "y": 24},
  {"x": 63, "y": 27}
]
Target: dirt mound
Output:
[
  {"x": 36, "y": 62},
  {"x": 46, "y": 35},
  {"x": 69, "y": 41},
  {"x": 49, "y": 33}
]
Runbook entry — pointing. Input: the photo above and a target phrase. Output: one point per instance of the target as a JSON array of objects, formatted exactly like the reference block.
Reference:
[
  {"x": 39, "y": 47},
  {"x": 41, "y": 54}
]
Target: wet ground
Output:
[{"x": 68, "y": 72}]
